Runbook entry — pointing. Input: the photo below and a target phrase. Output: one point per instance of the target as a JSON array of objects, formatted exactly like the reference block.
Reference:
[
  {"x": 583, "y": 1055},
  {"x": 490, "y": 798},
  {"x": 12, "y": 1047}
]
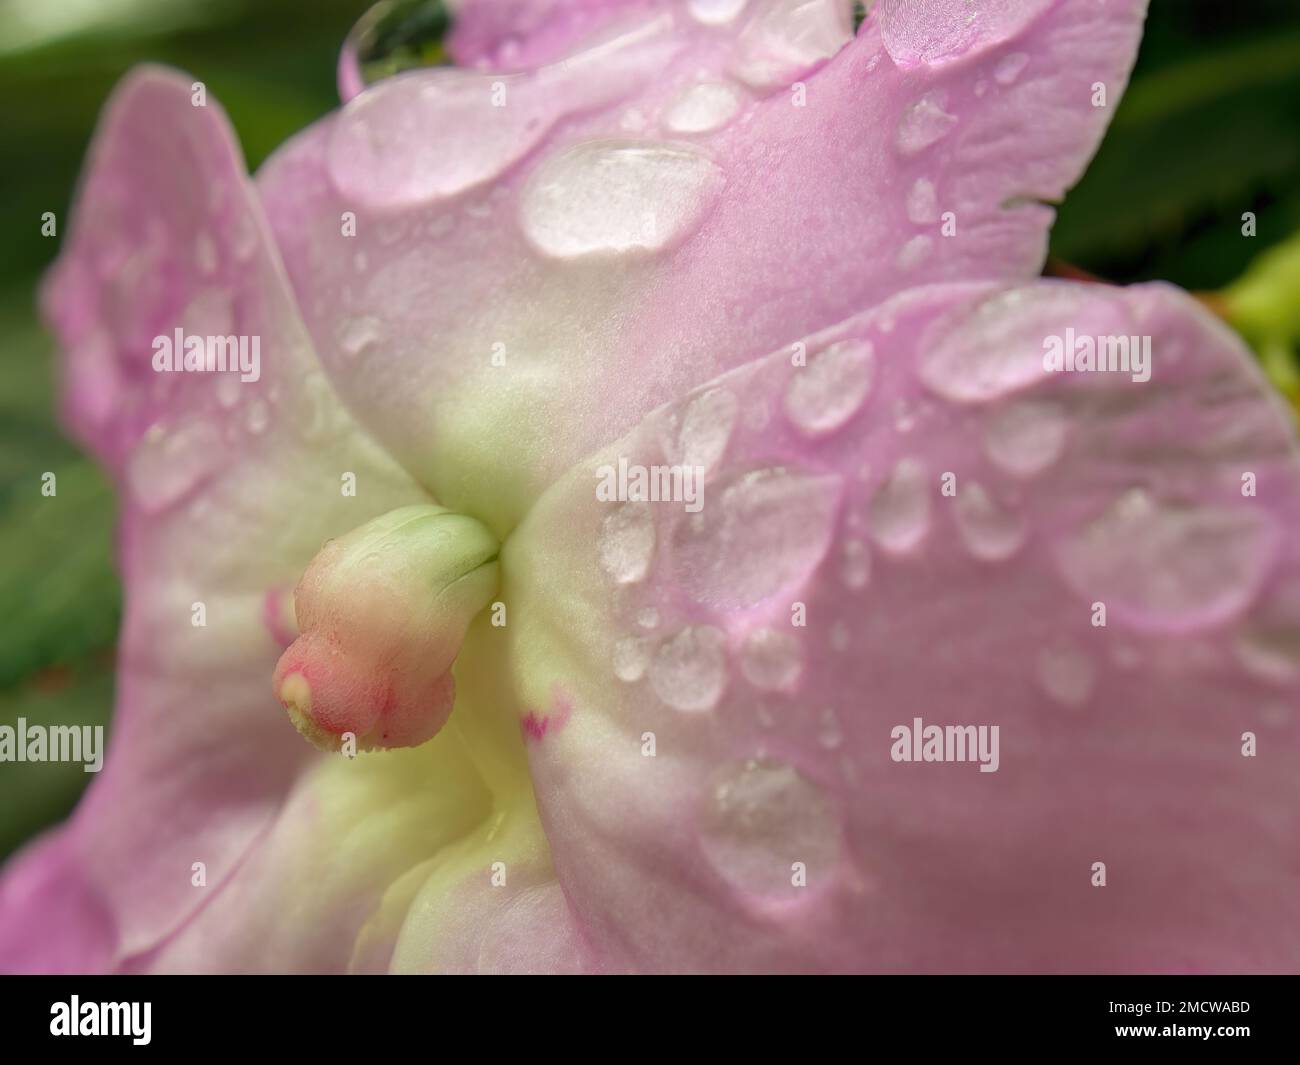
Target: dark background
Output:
[{"x": 1209, "y": 128}]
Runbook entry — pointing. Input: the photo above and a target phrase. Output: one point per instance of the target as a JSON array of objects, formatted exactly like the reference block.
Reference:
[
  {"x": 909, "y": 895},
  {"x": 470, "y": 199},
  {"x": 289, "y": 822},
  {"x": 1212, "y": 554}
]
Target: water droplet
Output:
[
  {"x": 1026, "y": 437},
  {"x": 627, "y": 542},
  {"x": 900, "y": 511},
  {"x": 689, "y": 672},
  {"x": 829, "y": 734},
  {"x": 771, "y": 659},
  {"x": 228, "y": 385},
  {"x": 1066, "y": 674},
  {"x": 706, "y": 428},
  {"x": 914, "y": 252},
  {"x": 205, "y": 254},
  {"x": 941, "y": 30},
  {"x": 789, "y": 38},
  {"x": 631, "y": 657},
  {"x": 1170, "y": 566},
  {"x": 856, "y": 568},
  {"x": 922, "y": 202},
  {"x": 616, "y": 197},
  {"x": 763, "y": 533},
  {"x": 243, "y": 236},
  {"x": 989, "y": 531},
  {"x": 839, "y": 636},
  {"x": 648, "y": 617},
  {"x": 1009, "y": 68},
  {"x": 168, "y": 464},
  {"x": 257, "y": 417},
  {"x": 211, "y": 313},
  {"x": 703, "y": 108},
  {"x": 358, "y": 335},
  {"x": 823, "y": 395},
  {"x": 924, "y": 123},
  {"x": 760, "y": 817},
  {"x": 998, "y": 347},
  {"x": 715, "y": 12},
  {"x": 312, "y": 409},
  {"x": 1268, "y": 645}
]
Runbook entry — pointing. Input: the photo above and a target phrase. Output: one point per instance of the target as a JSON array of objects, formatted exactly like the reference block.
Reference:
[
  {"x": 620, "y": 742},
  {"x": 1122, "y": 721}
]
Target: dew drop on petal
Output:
[
  {"x": 923, "y": 124},
  {"x": 914, "y": 252},
  {"x": 257, "y": 417},
  {"x": 899, "y": 516},
  {"x": 1066, "y": 674},
  {"x": 1268, "y": 644},
  {"x": 788, "y": 38},
  {"x": 922, "y": 202},
  {"x": 1009, "y": 68},
  {"x": 989, "y": 531},
  {"x": 647, "y": 617},
  {"x": 823, "y": 395},
  {"x": 689, "y": 672},
  {"x": 703, "y": 108},
  {"x": 715, "y": 12},
  {"x": 763, "y": 532},
  {"x": 829, "y": 734},
  {"x": 855, "y": 569},
  {"x": 1170, "y": 566},
  {"x": 360, "y": 334},
  {"x": 631, "y": 657},
  {"x": 627, "y": 542},
  {"x": 771, "y": 659},
  {"x": 228, "y": 386},
  {"x": 205, "y": 254},
  {"x": 1026, "y": 437},
  {"x": 168, "y": 464},
  {"x": 706, "y": 428},
  {"x": 614, "y": 197},
  {"x": 761, "y": 816}
]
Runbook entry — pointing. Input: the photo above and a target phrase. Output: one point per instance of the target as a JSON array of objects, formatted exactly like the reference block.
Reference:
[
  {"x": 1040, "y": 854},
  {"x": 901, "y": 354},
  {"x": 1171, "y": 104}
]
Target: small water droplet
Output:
[
  {"x": 648, "y": 617},
  {"x": 627, "y": 542},
  {"x": 243, "y": 236},
  {"x": 228, "y": 385},
  {"x": 899, "y": 516},
  {"x": 989, "y": 531},
  {"x": 311, "y": 411},
  {"x": 771, "y": 659},
  {"x": 1009, "y": 68},
  {"x": 1066, "y": 674},
  {"x": 715, "y": 12},
  {"x": 1268, "y": 645},
  {"x": 615, "y": 197},
  {"x": 631, "y": 657},
  {"x": 829, "y": 734},
  {"x": 361, "y": 334},
  {"x": 211, "y": 313},
  {"x": 257, "y": 416},
  {"x": 823, "y": 395},
  {"x": 1027, "y": 437},
  {"x": 168, "y": 464},
  {"x": 1170, "y": 566},
  {"x": 914, "y": 252},
  {"x": 764, "y": 532},
  {"x": 856, "y": 568},
  {"x": 703, "y": 108},
  {"x": 205, "y": 254},
  {"x": 761, "y": 816},
  {"x": 839, "y": 636},
  {"x": 923, "y": 124},
  {"x": 922, "y": 202},
  {"x": 689, "y": 672}
]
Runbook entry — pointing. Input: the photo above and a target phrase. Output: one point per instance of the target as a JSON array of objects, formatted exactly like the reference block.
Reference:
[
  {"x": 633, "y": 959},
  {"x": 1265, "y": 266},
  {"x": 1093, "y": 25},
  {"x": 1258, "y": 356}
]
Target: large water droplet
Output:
[
  {"x": 627, "y": 542},
  {"x": 1066, "y": 674},
  {"x": 989, "y": 531},
  {"x": 631, "y": 657},
  {"x": 1170, "y": 566},
  {"x": 760, "y": 817},
  {"x": 924, "y": 123},
  {"x": 706, "y": 428},
  {"x": 771, "y": 659},
  {"x": 937, "y": 31},
  {"x": 900, "y": 511},
  {"x": 788, "y": 38},
  {"x": 998, "y": 347},
  {"x": 167, "y": 465},
  {"x": 823, "y": 395},
  {"x": 763, "y": 533},
  {"x": 614, "y": 197},
  {"x": 689, "y": 672},
  {"x": 703, "y": 108},
  {"x": 1026, "y": 437}
]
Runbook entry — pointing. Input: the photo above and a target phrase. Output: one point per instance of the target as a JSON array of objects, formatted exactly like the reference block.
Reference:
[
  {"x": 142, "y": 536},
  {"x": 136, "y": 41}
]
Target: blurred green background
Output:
[{"x": 1210, "y": 128}]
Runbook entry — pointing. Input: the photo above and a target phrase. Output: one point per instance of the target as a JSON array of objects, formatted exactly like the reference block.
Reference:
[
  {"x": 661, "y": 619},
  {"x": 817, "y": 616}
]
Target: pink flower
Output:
[{"x": 623, "y": 243}]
